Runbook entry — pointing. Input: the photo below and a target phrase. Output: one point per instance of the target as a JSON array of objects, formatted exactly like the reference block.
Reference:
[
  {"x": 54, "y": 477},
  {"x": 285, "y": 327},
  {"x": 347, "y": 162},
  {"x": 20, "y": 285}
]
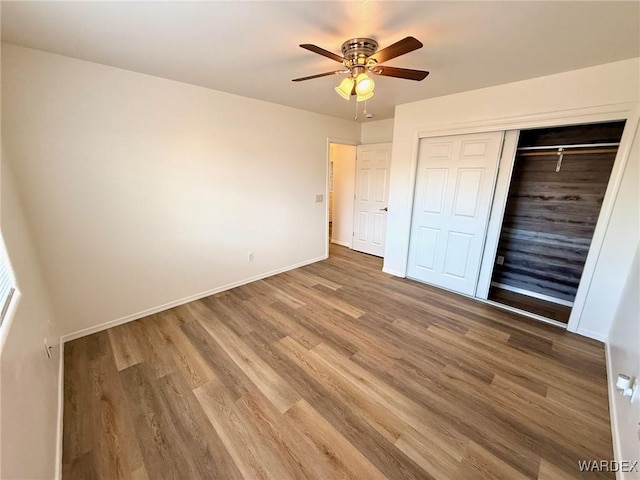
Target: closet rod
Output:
[
  {"x": 582, "y": 145},
  {"x": 541, "y": 153}
]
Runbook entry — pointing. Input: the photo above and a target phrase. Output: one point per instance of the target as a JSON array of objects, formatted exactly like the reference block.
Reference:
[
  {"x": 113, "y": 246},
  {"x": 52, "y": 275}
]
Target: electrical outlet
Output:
[
  {"x": 250, "y": 256},
  {"x": 500, "y": 260}
]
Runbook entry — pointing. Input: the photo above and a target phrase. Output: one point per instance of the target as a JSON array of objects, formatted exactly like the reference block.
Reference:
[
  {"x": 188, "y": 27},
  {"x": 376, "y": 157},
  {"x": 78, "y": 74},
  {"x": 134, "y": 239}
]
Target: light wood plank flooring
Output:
[{"x": 334, "y": 370}]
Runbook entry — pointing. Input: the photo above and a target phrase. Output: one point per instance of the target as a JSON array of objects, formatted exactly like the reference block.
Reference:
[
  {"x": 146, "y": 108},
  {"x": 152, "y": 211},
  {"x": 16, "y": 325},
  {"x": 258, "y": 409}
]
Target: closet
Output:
[{"x": 559, "y": 180}]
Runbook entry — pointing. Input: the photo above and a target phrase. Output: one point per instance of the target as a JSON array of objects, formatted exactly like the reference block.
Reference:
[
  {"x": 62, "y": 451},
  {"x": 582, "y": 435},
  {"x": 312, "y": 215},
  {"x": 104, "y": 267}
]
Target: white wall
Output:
[
  {"x": 617, "y": 252},
  {"x": 624, "y": 357},
  {"x": 614, "y": 83},
  {"x": 344, "y": 183},
  {"x": 28, "y": 380},
  {"x": 378, "y": 131},
  {"x": 142, "y": 191},
  {"x": 623, "y": 347}
]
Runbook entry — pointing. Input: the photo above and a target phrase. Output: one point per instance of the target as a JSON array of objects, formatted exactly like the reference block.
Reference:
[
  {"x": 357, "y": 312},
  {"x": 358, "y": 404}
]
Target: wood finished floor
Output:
[
  {"x": 554, "y": 311},
  {"x": 334, "y": 370}
]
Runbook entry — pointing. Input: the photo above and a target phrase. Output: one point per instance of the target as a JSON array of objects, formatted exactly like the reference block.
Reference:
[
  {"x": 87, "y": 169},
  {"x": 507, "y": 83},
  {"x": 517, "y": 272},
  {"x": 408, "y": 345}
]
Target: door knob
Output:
[{"x": 385, "y": 209}]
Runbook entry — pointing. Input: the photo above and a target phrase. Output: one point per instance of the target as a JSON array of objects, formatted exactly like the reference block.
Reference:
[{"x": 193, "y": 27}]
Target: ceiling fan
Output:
[{"x": 361, "y": 55}]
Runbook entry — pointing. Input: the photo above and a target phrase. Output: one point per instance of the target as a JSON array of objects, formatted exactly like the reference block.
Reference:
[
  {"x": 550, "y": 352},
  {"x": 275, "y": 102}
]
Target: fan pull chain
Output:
[
  {"x": 356, "y": 110},
  {"x": 560, "y": 156}
]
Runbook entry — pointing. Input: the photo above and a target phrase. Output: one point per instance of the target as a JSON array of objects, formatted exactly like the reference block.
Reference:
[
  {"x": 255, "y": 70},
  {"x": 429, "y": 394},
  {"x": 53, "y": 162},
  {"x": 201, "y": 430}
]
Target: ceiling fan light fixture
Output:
[
  {"x": 345, "y": 88},
  {"x": 362, "y": 98},
  {"x": 364, "y": 85},
  {"x": 361, "y": 56}
]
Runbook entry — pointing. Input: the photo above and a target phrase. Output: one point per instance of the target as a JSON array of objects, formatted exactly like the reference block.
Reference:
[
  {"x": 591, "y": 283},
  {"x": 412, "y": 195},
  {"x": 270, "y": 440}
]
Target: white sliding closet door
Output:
[{"x": 453, "y": 194}]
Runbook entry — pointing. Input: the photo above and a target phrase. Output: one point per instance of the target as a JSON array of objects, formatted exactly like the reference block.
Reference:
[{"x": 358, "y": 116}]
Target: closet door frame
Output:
[
  {"x": 606, "y": 113},
  {"x": 496, "y": 215}
]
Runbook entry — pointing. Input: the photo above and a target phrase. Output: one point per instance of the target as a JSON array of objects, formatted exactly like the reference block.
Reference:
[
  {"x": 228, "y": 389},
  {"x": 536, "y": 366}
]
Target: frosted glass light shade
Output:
[
  {"x": 345, "y": 88},
  {"x": 364, "y": 84},
  {"x": 362, "y": 98}
]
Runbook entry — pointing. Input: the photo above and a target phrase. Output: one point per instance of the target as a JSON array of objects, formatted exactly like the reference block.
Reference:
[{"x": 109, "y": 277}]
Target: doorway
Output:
[
  {"x": 557, "y": 187},
  {"x": 358, "y": 194},
  {"x": 341, "y": 188}
]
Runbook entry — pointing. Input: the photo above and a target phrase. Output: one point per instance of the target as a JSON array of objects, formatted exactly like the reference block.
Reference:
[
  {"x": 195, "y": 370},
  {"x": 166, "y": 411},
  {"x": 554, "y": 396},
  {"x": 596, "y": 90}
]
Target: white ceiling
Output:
[{"x": 251, "y": 48}]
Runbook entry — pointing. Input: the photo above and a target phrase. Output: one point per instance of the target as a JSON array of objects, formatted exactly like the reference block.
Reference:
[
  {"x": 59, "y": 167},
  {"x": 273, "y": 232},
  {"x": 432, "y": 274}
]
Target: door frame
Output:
[
  {"x": 496, "y": 213},
  {"x": 339, "y": 141},
  {"x": 629, "y": 111}
]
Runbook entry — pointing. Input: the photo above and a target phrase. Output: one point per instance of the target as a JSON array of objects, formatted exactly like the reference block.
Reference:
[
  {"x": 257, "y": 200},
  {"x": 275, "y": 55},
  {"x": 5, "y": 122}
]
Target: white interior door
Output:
[
  {"x": 372, "y": 194},
  {"x": 454, "y": 187}
]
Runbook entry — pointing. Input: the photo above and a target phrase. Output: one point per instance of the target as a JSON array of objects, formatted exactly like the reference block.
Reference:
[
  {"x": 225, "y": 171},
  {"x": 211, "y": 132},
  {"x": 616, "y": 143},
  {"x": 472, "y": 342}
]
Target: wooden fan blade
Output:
[
  {"x": 325, "y": 74},
  {"x": 322, "y": 51},
  {"x": 406, "y": 45},
  {"x": 400, "y": 72}
]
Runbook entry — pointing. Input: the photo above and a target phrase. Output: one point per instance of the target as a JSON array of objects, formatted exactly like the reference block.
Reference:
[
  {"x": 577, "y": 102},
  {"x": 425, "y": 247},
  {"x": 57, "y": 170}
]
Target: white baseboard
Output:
[
  {"x": 339, "y": 242},
  {"x": 529, "y": 293},
  {"x": 395, "y": 273},
  {"x": 524, "y": 313},
  {"x": 150, "y": 311},
  {"x": 593, "y": 335},
  {"x": 60, "y": 412}
]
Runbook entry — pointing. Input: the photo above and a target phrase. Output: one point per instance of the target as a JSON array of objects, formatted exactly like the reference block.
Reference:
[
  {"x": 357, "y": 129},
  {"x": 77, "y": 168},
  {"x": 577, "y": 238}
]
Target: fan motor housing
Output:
[{"x": 357, "y": 50}]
